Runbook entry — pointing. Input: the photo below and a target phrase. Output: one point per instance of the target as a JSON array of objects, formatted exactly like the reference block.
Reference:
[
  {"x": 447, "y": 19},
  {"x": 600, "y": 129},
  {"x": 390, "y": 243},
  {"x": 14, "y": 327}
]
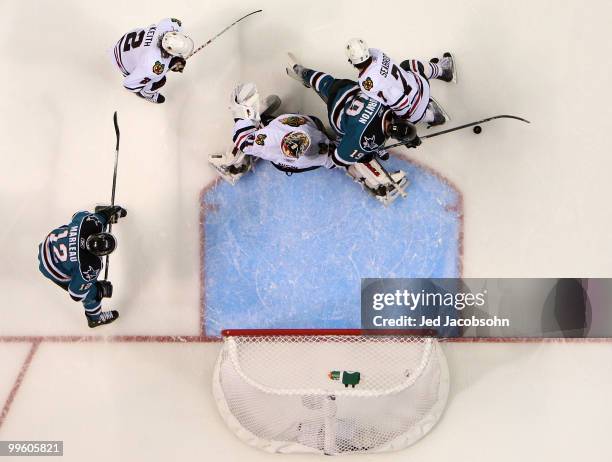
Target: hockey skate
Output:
[
  {"x": 295, "y": 70},
  {"x": 232, "y": 165},
  {"x": 447, "y": 63},
  {"x": 106, "y": 317},
  {"x": 440, "y": 116}
]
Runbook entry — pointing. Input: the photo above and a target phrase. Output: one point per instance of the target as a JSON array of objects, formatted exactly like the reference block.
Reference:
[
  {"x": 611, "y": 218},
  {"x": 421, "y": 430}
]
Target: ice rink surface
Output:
[{"x": 535, "y": 203}]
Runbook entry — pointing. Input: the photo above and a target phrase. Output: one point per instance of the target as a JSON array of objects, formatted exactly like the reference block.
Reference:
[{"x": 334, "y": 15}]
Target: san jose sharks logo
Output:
[
  {"x": 158, "y": 67},
  {"x": 369, "y": 143},
  {"x": 367, "y": 84},
  {"x": 90, "y": 274}
]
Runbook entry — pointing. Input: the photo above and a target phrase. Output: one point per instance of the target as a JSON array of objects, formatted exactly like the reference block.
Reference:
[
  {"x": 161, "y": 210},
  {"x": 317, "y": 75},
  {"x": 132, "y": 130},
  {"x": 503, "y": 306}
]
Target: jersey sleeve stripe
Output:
[
  {"x": 246, "y": 128},
  {"x": 48, "y": 263},
  {"x": 341, "y": 162},
  {"x": 118, "y": 56},
  {"x": 249, "y": 141},
  {"x": 339, "y": 107},
  {"x": 242, "y": 138}
]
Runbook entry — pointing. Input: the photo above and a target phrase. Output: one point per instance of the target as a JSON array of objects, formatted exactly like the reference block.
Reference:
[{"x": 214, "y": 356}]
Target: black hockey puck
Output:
[{"x": 477, "y": 129}]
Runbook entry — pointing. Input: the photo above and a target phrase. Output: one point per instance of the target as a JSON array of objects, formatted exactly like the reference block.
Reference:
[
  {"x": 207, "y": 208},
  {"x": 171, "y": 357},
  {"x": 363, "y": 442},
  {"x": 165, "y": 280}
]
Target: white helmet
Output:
[
  {"x": 177, "y": 44},
  {"x": 357, "y": 51}
]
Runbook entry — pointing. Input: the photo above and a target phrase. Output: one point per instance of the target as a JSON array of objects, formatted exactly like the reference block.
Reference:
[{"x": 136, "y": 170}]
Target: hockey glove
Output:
[
  {"x": 105, "y": 289},
  {"x": 177, "y": 64},
  {"x": 383, "y": 154},
  {"x": 415, "y": 142},
  {"x": 111, "y": 213},
  {"x": 160, "y": 83}
]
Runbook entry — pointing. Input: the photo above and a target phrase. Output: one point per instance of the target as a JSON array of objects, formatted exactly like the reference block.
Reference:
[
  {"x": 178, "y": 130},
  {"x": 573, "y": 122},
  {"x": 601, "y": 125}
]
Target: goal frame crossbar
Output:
[{"x": 327, "y": 332}]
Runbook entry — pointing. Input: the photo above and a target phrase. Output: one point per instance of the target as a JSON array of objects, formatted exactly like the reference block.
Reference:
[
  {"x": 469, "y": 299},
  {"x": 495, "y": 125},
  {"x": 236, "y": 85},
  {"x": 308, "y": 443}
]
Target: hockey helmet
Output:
[
  {"x": 294, "y": 144},
  {"x": 357, "y": 51},
  {"x": 177, "y": 44},
  {"x": 101, "y": 244}
]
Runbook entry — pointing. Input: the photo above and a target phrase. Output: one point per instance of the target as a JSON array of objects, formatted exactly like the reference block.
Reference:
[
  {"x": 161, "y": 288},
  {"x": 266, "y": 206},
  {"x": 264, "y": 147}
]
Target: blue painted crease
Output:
[{"x": 290, "y": 251}]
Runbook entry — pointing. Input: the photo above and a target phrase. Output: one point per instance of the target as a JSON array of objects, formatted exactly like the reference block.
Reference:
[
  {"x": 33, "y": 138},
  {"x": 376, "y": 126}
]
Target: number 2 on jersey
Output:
[
  {"x": 60, "y": 251},
  {"x": 133, "y": 40}
]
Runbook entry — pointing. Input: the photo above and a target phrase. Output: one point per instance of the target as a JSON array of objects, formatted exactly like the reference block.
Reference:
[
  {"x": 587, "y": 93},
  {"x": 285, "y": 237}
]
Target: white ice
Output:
[{"x": 536, "y": 202}]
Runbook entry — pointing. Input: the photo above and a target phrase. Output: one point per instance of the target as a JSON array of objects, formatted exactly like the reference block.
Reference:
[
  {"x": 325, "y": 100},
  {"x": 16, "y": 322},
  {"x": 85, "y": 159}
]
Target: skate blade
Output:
[
  {"x": 448, "y": 53},
  {"x": 446, "y": 115}
]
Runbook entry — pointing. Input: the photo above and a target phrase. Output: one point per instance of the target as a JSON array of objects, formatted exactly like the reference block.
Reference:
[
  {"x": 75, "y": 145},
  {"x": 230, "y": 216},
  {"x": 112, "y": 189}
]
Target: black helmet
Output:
[
  {"x": 401, "y": 129},
  {"x": 101, "y": 244}
]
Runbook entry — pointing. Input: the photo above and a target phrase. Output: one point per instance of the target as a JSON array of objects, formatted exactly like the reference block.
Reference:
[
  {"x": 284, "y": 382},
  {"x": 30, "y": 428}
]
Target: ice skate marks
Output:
[{"x": 289, "y": 251}]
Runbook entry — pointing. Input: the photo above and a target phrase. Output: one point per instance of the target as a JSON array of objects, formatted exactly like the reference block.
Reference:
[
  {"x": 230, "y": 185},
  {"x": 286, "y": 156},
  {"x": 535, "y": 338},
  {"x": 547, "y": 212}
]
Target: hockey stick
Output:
[
  {"x": 110, "y": 224},
  {"x": 471, "y": 124},
  {"x": 220, "y": 33}
]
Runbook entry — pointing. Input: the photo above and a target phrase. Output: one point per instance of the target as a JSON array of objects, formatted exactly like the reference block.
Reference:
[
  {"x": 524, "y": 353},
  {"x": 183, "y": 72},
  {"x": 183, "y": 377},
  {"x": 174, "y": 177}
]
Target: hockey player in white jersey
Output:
[
  {"x": 293, "y": 143},
  {"x": 144, "y": 57},
  {"x": 404, "y": 87}
]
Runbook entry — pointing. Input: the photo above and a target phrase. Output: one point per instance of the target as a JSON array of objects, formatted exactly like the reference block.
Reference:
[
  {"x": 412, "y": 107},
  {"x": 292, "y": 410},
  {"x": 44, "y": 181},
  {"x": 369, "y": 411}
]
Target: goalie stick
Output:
[
  {"x": 471, "y": 124},
  {"x": 222, "y": 32},
  {"x": 110, "y": 224}
]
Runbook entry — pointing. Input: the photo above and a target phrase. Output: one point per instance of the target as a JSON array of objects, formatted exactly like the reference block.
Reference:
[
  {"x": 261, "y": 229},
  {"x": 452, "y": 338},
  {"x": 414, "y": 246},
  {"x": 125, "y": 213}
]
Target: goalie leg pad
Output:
[{"x": 377, "y": 181}]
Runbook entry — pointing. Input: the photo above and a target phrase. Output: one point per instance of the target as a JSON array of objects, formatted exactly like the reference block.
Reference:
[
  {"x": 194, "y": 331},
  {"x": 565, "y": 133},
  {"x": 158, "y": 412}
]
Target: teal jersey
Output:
[
  {"x": 358, "y": 120},
  {"x": 64, "y": 259}
]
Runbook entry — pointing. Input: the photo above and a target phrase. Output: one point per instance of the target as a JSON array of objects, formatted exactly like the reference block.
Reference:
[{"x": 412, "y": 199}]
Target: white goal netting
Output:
[{"x": 329, "y": 393}]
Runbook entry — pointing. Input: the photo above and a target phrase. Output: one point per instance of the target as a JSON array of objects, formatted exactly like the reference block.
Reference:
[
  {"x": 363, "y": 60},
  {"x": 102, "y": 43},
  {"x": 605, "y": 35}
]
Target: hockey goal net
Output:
[{"x": 329, "y": 391}]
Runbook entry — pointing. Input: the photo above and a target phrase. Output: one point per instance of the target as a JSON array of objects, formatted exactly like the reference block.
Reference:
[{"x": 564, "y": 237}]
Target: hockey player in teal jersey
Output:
[
  {"x": 361, "y": 123},
  {"x": 70, "y": 257}
]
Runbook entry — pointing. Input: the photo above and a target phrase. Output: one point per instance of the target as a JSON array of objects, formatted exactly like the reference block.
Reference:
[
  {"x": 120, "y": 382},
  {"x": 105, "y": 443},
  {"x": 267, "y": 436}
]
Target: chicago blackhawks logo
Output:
[
  {"x": 294, "y": 121},
  {"x": 158, "y": 67},
  {"x": 260, "y": 140},
  {"x": 294, "y": 144},
  {"x": 367, "y": 84}
]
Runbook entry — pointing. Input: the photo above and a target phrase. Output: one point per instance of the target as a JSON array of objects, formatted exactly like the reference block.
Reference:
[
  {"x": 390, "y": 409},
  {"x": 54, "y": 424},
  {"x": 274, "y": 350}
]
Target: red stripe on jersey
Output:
[{"x": 241, "y": 138}]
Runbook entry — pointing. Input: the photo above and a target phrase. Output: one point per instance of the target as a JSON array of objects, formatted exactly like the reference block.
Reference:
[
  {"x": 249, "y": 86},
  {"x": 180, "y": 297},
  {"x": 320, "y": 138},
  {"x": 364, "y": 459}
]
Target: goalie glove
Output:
[{"x": 245, "y": 102}]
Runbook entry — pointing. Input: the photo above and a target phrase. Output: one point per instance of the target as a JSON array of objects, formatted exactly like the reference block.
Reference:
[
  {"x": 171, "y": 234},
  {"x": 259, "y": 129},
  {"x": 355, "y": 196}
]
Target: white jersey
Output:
[
  {"x": 292, "y": 142},
  {"x": 138, "y": 55},
  {"x": 406, "y": 93}
]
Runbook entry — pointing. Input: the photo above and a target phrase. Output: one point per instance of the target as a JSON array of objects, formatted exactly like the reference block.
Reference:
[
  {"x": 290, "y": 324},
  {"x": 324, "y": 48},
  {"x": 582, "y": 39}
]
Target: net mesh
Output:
[{"x": 301, "y": 393}]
